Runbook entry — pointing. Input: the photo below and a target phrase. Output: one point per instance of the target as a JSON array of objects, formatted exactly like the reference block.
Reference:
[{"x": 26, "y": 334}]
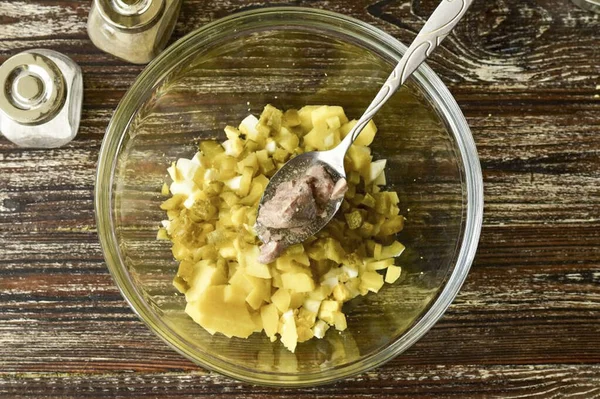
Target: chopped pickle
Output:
[{"x": 211, "y": 215}]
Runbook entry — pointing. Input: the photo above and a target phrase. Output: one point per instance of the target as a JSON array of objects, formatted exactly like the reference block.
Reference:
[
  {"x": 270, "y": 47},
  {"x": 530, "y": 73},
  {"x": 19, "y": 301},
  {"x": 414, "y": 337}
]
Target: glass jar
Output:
[
  {"x": 133, "y": 30},
  {"x": 41, "y": 93}
]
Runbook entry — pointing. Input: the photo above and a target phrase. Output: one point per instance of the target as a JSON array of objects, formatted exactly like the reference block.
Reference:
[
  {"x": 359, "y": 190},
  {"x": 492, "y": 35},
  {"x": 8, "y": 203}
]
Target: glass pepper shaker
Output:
[
  {"x": 41, "y": 94},
  {"x": 133, "y": 30}
]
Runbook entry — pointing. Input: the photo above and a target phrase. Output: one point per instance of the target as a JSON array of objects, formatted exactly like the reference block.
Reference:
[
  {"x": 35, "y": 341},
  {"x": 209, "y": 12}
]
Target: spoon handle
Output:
[{"x": 438, "y": 26}]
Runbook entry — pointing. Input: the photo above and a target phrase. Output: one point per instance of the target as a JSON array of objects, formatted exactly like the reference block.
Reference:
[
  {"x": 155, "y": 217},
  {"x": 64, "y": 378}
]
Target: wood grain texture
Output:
[{"x": 525, "y": 325}]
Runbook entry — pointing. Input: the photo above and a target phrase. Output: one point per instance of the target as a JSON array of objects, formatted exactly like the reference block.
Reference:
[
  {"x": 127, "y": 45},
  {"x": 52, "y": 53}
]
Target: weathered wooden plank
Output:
[
  {"x": 531, "y": 381},
  {"x": 548, "y": 315}
]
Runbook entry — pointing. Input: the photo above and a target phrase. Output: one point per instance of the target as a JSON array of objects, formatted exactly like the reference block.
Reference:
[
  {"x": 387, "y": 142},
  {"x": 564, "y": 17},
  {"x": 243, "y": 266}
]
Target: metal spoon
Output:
[{"x": 437, "y": 27}]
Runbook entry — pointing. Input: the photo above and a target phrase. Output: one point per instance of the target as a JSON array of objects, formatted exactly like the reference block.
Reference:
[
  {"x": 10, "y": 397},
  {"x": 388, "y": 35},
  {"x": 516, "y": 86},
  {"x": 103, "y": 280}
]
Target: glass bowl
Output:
[{"x": 291, "y": 57}]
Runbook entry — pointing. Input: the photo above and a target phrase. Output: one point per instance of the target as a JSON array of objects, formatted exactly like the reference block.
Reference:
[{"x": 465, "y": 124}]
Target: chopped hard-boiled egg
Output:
[{"x": 213, "y": 208}]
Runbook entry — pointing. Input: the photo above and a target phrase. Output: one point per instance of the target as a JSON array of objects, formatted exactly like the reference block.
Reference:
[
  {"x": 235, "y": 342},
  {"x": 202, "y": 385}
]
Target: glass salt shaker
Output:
[
  {"x": 41, "y": 94},
  {"x": 133, "y": 30}
]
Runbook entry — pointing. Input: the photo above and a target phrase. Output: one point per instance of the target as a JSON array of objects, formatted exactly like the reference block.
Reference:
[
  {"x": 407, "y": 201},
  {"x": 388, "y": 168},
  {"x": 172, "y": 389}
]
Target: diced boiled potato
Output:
[
  {"x": 320, "y": 115},
  {"x": 312, "y": 305},
  {"x": 327, "y": 311},
  {"x": 377, "y": 251},
  {"x": 289, "y": 335},
  {"x": 367, "y": 135},
  {"x": 205, "y": 274},
  {"x": 297, "y": 299},
  {"x": 265, "y": 163},
  {"x": 261, "y": 292},
  {"x": 297, "y": 282},
  {"x": 392, "y": 251},
  {"x": 240, "y": 280},
  {"x": 254, "y": 299},
  {"x": 288, "y": 140},
  {"x": 221, "y": 308},
  {"x": 258, "y": 325},
  {"x": 347, "y": 127},
  {"x": 339, "y": 320},
  {"x": 281, "y": 299},
  {"x": 262, "y": 287},
  {"x": 249, "y": 260},
  {"x": 270, "y": 320},
  {"x": 333, "y": 122},
  {"x": 305, "y": 116},
  {"x": 360, "y": 158},
  {"x": 341, "y": 293},
  {"x": 181, "y": 285},
  {"x": 371, "y": 281},
  {"x": 392, "y": 274},
  {"x": 251, "y": 160},
  {"x": 380, "y": 265},
  {"x": 315, "y": 138}
]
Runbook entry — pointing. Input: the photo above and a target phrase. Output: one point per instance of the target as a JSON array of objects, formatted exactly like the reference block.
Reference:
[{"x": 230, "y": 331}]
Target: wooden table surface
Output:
[{"x": 526, "y": 323}]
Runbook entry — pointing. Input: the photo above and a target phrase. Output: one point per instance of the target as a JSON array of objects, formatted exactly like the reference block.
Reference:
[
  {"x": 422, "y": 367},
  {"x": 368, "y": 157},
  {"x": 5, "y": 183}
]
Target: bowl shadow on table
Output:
[{"x": 292, "y": 69}]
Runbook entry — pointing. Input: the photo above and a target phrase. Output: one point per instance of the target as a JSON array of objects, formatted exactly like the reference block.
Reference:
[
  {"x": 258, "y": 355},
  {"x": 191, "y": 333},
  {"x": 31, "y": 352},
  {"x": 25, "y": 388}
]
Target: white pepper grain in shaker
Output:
[
  {"x": 41, "y": 94},
  {"x": 133, "y": 30}
]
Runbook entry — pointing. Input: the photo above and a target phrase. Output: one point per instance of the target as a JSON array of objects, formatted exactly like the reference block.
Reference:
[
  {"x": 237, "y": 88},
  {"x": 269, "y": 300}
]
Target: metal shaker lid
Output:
[
  {"x": 130, "y": 14},
  {"x": 32, "y": 88}
]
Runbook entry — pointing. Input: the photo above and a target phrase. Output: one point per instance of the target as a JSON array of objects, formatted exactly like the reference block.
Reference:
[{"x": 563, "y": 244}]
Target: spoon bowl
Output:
[{"x": 294, "y": 169}]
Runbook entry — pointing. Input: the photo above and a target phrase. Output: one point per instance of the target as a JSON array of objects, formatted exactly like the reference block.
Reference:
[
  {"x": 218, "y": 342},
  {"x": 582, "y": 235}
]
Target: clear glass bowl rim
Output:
[{"x": 169, "y": 59}]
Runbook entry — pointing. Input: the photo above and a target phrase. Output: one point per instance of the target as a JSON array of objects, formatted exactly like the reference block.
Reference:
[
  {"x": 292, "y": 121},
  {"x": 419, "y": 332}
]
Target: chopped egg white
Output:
[
  {"x": 187, "y": 168},
  {"x": 248, "y": 125},
  {"x": 185, "y": 187},
  {"x": 234, "y": 183},
  {"x": 376, "y": 169}
]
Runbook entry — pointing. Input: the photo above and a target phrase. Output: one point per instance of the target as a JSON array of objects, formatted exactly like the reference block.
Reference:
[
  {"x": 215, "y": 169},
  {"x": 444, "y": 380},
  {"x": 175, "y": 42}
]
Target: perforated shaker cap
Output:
[
  {"x": 130, "y": 14},
  {"x": 32, "y": 88}
]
